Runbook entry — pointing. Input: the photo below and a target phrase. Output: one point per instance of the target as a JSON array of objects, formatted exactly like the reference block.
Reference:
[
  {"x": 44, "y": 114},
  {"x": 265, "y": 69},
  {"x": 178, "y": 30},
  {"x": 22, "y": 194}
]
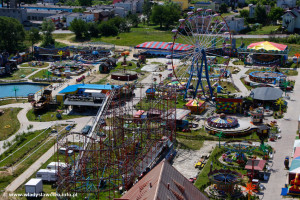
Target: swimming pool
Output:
[{"x": 22, "y": 89}]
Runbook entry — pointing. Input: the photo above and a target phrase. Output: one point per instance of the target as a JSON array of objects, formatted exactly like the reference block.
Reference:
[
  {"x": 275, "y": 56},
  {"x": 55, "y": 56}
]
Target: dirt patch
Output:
[{"x": 186, "y": 159}]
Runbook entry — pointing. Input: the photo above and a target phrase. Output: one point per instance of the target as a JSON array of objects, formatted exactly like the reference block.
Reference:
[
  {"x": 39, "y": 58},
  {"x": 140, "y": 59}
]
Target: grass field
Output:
[
  {"x": 19, "y": 74},
  {"x": 5, "y": 177},
  {"x": 265, "y": 30},
  {"x": 133, "y": 67},
  {"x": 9, "y": 120},
  {"x": 11, "y": 101},
  {"x": 37, "y": 66},
  {"x": 48, "y": 116},
  {"x": 189, "y": 144},
  {"x": 42, "y": 74}
]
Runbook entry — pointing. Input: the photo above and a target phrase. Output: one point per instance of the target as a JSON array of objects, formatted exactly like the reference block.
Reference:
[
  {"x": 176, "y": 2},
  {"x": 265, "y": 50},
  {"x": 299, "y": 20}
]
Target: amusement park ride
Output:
[{"x": 206, "y": 33}]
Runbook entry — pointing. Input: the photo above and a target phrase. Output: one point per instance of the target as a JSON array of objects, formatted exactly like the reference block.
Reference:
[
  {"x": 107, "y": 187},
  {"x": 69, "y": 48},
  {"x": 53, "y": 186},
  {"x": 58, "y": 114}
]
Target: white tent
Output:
[{"x": 296, "y": 144}]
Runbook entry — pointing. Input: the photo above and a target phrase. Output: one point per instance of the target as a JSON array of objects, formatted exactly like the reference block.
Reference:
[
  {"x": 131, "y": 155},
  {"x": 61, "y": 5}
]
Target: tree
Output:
[
  {"x": 223, "y": 8},
  {"x": 34, "y": 37},
  {"x": 47, "y": 28},
  {"x": 80, "y": 28},
  {"x": 172, "y": 14},
  {"x": 147, "y": 7},
  {"x": 166, "y": 14},
  {"x": 93, "y": 29},
  {"x": 134, "y": 19},
  {"x": 85, "y": 2},
  {"x": 260, "y": 14},
  {"x": 121, "y": 24},
  {"x": 244, "y": 13},
  {"x": 276, "y": 14},
  {"x": 280, "y": 103},
  {"x": 157, "y": 15},
  {"x": 12, "y": 34},
  {"x": 220, "y": 135},
  {"x": 108, "y": 29}
]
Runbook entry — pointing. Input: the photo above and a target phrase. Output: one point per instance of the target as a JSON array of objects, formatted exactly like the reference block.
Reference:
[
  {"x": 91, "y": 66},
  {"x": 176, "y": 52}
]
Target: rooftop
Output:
[
  {"x": 74, "y": 88},
  {"x": 163, "y": 182}
]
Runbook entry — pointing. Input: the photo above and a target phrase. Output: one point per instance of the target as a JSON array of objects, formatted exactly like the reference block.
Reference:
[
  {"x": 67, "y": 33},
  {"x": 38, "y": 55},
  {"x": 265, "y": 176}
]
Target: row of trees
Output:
[
  {"x": 112, "y": 27},
  {"x": 13, "y": 37}
]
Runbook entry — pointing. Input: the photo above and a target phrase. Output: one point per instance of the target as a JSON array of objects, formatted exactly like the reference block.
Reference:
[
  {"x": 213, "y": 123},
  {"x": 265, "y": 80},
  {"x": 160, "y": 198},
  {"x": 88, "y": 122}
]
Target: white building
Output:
[
  {"x": 235, "y": 24},
  {"x": 291, "y": 20},
  {"x": 285, "y": 4},
  {"x": 84, "y": 17}
]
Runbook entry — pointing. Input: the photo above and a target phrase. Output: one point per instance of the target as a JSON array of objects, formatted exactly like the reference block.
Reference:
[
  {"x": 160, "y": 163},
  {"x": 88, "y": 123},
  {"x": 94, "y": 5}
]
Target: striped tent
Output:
[{"x": 164, "y": 46}]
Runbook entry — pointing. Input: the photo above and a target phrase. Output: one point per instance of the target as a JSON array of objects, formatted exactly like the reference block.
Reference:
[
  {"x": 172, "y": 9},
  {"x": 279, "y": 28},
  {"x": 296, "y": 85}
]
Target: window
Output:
[{"x": 39, "y": 175}]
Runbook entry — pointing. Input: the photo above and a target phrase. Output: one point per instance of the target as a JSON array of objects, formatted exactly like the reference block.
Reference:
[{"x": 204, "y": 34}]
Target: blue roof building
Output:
[{"x": 81, "y": 87}]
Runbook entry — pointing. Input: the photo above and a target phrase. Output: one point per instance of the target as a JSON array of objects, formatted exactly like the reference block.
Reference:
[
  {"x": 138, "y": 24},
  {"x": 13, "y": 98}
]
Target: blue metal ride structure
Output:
[{"x": 199, "y": 75}]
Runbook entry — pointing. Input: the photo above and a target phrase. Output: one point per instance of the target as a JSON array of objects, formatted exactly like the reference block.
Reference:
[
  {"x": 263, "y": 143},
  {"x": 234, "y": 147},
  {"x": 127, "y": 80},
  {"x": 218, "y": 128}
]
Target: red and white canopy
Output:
[{"x": 164, "y": 46}]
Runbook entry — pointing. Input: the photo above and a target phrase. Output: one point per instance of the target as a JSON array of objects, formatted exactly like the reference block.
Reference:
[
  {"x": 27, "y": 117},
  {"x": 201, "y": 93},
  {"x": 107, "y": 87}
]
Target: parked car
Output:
[
  {"x": 75, "y": 148},
  {"x": 86, "y": 129}
]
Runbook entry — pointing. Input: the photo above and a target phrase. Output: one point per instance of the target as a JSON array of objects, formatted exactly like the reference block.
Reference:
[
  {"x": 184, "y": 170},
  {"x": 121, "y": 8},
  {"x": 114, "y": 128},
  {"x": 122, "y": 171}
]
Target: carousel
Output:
[
  {"x": 264, "y": 53},
  {"x": 222, "y": 121},
  {"x": 266, "y": 77},
  {"x": 67, "y": 68},
  {"x": 228, "y": 125},
  {"x": 224, "y": 182}
]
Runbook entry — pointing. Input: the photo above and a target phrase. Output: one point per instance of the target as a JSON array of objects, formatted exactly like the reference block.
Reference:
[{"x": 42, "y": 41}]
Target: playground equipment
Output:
[
  {"x": 205, "y": 33},
  {"x": 294, "y": 188},
  {"x": 225, "y": 182},
  {"x": 43, "y": 101},
  {"x": 222, "y": 121}
]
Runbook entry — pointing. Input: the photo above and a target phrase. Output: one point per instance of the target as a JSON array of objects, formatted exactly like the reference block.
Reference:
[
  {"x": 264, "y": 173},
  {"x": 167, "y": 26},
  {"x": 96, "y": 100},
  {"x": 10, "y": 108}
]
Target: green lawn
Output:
[
  {"x": 63, "y": 36},
  {"x": 247, "y": 86},
  {"x": 138, "y": 35},
  {"x": 133, "y": 67},
  {"x": 11, "y": 101},
  {"x": 5, "y": 177},
  {"x": 20, "y": 153},
  {"x": 238, "y": 62},
  {"x": 19, "y": 74},
  {"x": 42, "y": 74},
  {"x": 48, "y": 116},
  {"x": 265, "y": 30},
  {"x": 9, "y": 120},
  {"x": 189, "y": 144},
  {"x": 31, "y": 65}
]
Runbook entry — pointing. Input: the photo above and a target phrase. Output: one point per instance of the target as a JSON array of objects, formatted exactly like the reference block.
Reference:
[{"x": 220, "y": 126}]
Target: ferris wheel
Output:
[{"x": 206, "y": 38}]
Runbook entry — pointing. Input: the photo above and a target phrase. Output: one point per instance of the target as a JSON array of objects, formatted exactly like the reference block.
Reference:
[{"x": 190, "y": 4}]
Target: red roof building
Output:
[
  {"x": 258, "y": 165},
  {"x": 163, "y": 182}
]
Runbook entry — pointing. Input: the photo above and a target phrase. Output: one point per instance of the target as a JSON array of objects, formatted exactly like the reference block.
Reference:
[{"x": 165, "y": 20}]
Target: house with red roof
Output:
[{"x": 163, "y": 182}]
